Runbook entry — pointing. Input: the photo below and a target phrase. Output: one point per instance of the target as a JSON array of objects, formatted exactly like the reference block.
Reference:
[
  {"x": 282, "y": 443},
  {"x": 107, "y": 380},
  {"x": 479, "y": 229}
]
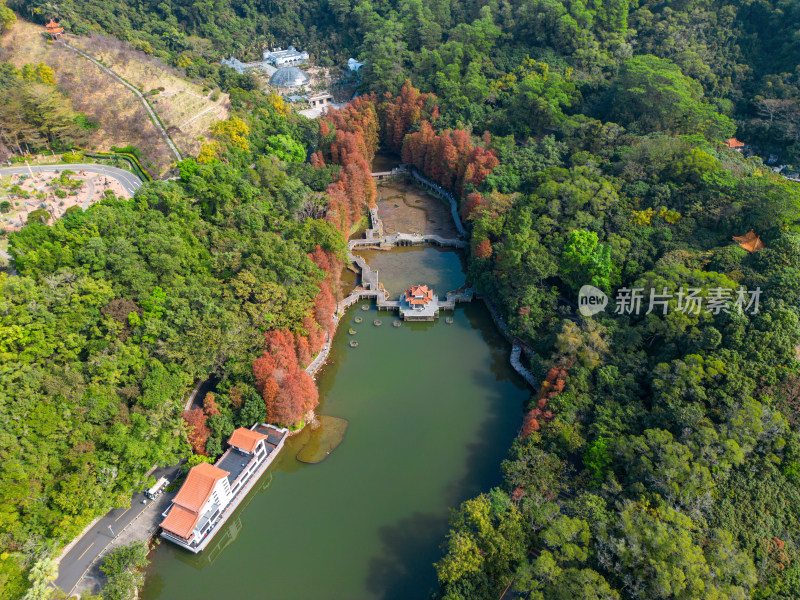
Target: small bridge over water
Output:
[{"x": 371, "y": 288}]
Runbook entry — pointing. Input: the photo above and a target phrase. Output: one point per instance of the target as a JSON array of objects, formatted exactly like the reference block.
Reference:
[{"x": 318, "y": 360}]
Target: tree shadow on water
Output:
[{"x": 405, "y": 569}]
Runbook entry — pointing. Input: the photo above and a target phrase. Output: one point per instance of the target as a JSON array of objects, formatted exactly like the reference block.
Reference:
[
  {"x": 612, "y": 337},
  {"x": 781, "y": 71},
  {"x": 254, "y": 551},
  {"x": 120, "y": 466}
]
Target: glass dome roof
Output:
[{"x": 289, "y": 77}]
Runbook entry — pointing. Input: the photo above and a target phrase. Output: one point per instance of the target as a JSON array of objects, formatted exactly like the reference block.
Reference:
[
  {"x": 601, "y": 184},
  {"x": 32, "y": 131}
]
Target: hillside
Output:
[
  {"x": 614, "y": 153},
  {"x": 184, "y": 108}
]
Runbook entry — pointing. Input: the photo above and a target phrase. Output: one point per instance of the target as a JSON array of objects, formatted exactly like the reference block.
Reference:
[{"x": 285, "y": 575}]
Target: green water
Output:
[
  {"x": 432, "y": 409},
  {"x": 438, "y": 268}
]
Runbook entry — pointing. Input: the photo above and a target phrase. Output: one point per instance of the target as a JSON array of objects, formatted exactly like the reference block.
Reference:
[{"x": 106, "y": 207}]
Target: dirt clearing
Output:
[{"x": 404, "y": 208}]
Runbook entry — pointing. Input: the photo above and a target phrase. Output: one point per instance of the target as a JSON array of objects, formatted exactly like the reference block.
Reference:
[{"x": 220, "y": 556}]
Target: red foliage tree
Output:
[
  {"x": 529, "y": 424},
  {"x": 280, "y": 345},
  {"x": 296, "y": 396},
  {"x": 553, "y": 384},
  {"x": 303, "y": 350},
  {"x": 316, "y": 337},
  {"x": 269, "y": 392},
  {"x": 324, "y": 307},
  {"x": 448, "y": 157},
  {"x": 483, "y": 249},
  {"x": 263, "y": 367},
  {"x": 210, "y": 406},
  {"x": 408, "y": 109},
  {"x": 283, "y": 407},
  {"x": 196, "y": 430},
  {"x": 317, "y": 161},
  {"x": 473, "y": 203}
]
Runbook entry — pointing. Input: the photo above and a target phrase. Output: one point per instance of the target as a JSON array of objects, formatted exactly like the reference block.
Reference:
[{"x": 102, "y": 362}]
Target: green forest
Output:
[{"x": 584, "y": 140}]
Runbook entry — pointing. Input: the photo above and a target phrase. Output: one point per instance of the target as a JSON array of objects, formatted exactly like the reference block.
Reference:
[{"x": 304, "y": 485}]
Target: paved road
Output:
[
  {"x": 93, "y": 544},
  {"x": 144, "y": 101},
  {"x": 128, "y": 180}
]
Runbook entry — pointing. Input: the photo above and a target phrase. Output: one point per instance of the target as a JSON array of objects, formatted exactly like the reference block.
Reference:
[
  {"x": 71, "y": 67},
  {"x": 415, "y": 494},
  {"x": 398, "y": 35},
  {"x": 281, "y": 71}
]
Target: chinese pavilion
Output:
[
  {"x": 54, "y": 29},
  {"x": 734, "y": 144},
  {"x": 749, "y": 241},
  {"x": 419, "y": 304}
]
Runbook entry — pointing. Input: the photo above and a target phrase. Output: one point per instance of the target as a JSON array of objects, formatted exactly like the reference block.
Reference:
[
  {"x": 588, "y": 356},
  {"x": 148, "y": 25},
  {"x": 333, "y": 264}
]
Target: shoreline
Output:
[{"x": 373, "y": 236}]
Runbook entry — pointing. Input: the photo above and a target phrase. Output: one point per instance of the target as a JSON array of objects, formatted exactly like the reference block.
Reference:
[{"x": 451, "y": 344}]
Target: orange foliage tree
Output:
[
  {"x": 399, "y": 114},
  {"x": 196, "y": 430},
  {"x": 288, "y": 391},
  {"x": 210, "y": 406},
  {"x": 449, "y": 157},
  {"x": 553, "y": 384},
  {"x": 351, "y": 136}
]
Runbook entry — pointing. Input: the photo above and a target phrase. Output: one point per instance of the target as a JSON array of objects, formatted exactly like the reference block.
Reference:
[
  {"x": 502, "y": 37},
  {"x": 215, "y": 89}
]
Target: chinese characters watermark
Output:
[{"x": 687, "y": 300}]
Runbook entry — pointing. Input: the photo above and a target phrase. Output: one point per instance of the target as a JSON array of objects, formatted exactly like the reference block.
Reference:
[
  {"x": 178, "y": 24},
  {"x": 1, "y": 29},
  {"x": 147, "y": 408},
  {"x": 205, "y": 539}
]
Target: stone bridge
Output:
[{"x": 371, "y": 288}]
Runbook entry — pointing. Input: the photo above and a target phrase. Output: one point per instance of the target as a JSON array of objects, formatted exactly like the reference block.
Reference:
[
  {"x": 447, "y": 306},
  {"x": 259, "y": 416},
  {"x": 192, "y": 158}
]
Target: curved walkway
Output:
[
  {"x": 129, "y": 181},
  {"x": 371, "y": 288},
  {"x": 153, "y": 117}
]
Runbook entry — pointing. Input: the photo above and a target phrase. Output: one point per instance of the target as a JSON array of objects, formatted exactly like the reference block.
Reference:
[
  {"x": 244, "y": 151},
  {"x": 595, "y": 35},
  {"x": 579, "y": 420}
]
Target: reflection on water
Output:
[
  {"x": 432, "y": 408},
  {"x": 439, "y": 268},
  {"x": 384, "y": 161}
]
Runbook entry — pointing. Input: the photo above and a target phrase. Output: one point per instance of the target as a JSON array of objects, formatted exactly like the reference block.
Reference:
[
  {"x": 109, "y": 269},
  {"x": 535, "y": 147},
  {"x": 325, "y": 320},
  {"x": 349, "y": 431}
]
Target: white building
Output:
[
  {"x": 202, "y": 498},
  {"x": 353, "y": 64},
  {"x": 284, "y": 58},
  {"x": 211, "y": 492}
]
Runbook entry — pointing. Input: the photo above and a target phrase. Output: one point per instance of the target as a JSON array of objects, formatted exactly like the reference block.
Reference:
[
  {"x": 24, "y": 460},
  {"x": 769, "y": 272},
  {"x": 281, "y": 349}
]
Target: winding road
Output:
[
  {"x": 93, "y": 543},
  {"x": 130, "y": 182}
]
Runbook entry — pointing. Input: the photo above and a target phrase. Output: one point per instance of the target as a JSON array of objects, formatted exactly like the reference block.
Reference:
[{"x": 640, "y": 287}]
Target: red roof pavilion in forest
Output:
[
  {"x": 734, "y": 143},
  {"x": 419, "y": 295},
  {"x": 749, "y": 241},
  {"x": 54, "y": 29}
]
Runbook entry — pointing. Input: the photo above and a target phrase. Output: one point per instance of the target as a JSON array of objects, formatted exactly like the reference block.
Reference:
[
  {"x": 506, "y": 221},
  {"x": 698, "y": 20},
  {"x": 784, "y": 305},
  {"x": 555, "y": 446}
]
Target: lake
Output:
[{"x": 432, "y": 410}]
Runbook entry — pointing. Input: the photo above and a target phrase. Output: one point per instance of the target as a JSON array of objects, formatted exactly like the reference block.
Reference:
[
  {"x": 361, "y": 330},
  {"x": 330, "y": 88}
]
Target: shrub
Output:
[
  {"x": 72, "y": 157},
  {"x": 39, "y": 216},
  {"x": 123, "y": 567}
]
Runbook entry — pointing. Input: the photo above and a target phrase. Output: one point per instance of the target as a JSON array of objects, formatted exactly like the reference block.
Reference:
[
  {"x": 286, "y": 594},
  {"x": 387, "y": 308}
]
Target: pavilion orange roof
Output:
[
  {"x": 419, "y": 295},
  {"x": 54, "y": 27},
  {"x": 733, "y": 143},
  {"x": 245, "y": 439},
  {"x": 749, "y": 241}
]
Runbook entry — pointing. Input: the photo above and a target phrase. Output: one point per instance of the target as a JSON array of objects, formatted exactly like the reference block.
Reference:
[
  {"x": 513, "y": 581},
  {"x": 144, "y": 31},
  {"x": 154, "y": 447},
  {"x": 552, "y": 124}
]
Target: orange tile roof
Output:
[
  {"x": 54, "y": 27},
  {"x": 749, "y": 241},
  {"x": 733, "y": 143},
  {"x": 181, "y": 521},
  {"x": 419, "y": 290},
  {"x": 199, "y": 484},
  {"x": 246, "y": 439}
]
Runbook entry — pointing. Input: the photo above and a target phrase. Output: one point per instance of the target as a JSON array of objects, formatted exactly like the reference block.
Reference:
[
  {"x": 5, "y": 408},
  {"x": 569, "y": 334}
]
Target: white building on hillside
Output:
[
  {"x": 353, "y": 64},
  {"x": 202, "y": 498},
  {"x": 211, "y": 492},
  {"x": 284, "y": 58}
]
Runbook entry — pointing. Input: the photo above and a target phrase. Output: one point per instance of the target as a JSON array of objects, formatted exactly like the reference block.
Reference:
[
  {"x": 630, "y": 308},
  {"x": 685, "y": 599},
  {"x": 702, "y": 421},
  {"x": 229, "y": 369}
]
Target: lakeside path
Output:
[
  {"x": 127, "y": 180},
  {"x": 136, "y": 521},
  {"x": 371, "y": 288}
]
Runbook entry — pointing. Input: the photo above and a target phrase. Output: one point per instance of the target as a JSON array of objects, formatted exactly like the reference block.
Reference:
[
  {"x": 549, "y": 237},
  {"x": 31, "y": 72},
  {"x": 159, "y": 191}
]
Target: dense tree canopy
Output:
[{"x": 583, "y": 141}]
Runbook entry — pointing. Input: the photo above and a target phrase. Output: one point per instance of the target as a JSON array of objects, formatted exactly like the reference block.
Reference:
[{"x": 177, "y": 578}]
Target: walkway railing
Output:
[
  {"x": 444, "y": 194},
  {"x": 371, "y": 287}
]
